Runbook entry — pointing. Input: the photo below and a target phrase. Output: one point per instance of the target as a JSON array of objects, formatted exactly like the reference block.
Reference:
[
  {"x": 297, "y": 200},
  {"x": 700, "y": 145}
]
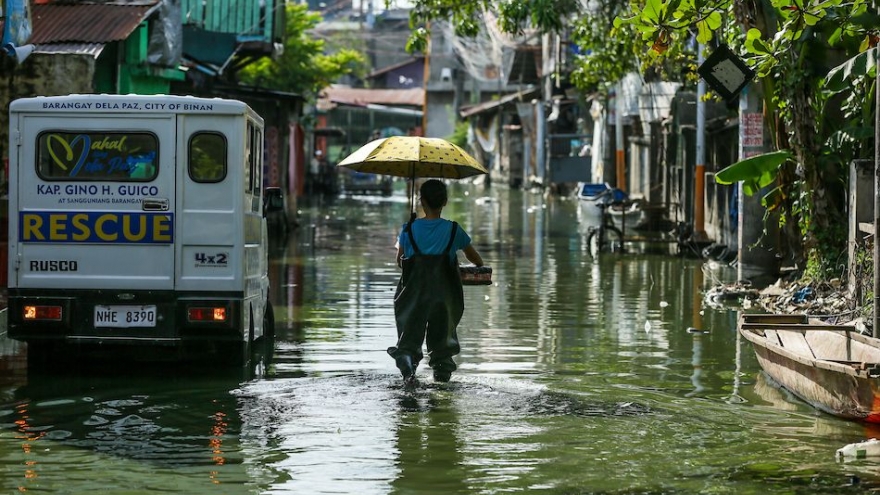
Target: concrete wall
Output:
[
  {"x": 40, "y": 75},
  {"x": 759, "y": 240},
  {"x": 861, "y": 208},
  {"x": 441, "y": 114}
]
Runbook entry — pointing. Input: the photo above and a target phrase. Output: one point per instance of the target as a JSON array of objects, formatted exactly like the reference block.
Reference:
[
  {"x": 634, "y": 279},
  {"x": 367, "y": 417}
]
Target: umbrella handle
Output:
[{"x": 412, "y": 194}]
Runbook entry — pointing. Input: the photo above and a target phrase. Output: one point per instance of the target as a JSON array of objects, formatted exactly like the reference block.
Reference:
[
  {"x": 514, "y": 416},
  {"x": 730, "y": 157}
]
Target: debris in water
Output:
[{"x": 861, "y": 450}]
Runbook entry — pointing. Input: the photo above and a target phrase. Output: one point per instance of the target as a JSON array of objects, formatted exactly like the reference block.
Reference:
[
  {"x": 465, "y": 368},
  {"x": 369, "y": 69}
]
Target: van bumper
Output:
[{"x": 76, "y": 321}]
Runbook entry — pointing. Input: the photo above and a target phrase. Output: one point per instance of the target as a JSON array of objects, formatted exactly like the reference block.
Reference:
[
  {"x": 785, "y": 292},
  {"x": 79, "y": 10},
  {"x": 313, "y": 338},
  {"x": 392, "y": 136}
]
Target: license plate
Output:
[{"x": 125, "y": 316}]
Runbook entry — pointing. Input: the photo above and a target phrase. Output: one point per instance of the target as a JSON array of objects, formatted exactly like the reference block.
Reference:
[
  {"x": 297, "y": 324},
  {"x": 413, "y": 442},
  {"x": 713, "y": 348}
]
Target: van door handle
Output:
[{"x": 154, "y": 204}]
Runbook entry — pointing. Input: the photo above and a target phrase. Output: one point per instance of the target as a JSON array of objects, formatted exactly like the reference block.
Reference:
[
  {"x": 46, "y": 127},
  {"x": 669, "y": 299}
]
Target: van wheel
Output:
[
  {"x": 39, "y": 355},
  {"x": 233, "y": 353},
  {"x": 239, "y": 352},
  {"x": 264, "y": 347},
  {"x": 269, "y": 322}
]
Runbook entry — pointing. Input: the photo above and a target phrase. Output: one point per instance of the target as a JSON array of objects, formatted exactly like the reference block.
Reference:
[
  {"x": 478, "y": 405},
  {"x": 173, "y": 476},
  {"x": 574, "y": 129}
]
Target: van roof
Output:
[{"x": 106, "y": 103}]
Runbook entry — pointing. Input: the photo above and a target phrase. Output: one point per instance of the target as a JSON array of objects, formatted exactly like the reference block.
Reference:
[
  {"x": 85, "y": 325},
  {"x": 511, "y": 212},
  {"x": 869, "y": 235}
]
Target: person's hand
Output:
[{"x": 472, "y": 255}]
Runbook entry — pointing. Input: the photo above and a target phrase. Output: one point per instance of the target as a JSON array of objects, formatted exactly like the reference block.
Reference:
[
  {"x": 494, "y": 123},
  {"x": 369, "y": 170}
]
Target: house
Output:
[{"x": 155, "y": 47}]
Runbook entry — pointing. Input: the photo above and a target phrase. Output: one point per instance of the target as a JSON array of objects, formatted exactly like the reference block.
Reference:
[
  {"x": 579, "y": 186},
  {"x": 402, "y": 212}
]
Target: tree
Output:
[
  {"x": 822, "y": 115},
  {"x": 303, "y": 67},
  {"x": 466, "y": 17}
]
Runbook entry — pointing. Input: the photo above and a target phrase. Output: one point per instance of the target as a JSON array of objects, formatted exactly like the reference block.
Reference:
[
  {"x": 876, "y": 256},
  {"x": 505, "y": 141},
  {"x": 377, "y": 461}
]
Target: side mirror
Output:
[{"x": 273, "y": 200}]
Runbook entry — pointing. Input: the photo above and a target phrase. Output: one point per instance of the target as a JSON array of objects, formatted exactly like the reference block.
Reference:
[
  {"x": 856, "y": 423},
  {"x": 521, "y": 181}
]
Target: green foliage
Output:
[
  {"x": 607, "y": 51},
  {"x": 789, "y": 43},
  {"x": 303, "y": 67},
  {"x": 863, "y": 64},
  {"x": 755, "y": 172},
  {"x": 864, "y": 278},
  {"x": 822, "y": 117},
  {"x": 459, "y": 134},
  {"x": 466, "y": 17},
  {"x": 827, "y": 256}
]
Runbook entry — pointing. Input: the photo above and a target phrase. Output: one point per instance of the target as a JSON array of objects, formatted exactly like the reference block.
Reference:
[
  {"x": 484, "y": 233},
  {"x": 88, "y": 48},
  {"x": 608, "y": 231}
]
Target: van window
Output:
[
  {"x": 252, "y": 151},
  {"x": 258, "y": 161},
  {"x": 207, "y": 157},
  {"x": 97, "y": 156}
]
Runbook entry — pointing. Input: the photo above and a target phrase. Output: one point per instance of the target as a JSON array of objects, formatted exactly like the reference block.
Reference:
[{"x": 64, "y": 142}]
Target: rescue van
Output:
[{"x": 138, "y": 220}]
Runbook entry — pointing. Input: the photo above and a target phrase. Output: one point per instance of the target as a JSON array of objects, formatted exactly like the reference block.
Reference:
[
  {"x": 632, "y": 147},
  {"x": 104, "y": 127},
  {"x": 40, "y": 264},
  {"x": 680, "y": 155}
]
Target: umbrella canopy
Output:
[{"x": 413, "y": 156}]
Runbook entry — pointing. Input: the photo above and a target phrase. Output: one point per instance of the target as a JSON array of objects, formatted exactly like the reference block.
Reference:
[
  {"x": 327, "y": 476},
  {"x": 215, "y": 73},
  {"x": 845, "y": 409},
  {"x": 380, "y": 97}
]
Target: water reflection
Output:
[
  {"x": 568, "y": 361},
  {"x": 430, "y": 450},
  {"x": 86, "y": 430},
  {"x": 578, "y": 374}
]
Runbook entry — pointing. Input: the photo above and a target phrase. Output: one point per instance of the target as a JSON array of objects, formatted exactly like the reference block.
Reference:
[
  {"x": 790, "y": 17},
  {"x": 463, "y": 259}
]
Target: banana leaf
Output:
[{"x": 755, "y": 172}]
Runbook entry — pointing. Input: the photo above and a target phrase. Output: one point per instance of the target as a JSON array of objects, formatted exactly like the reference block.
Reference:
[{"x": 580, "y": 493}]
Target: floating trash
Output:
[{"x": 861, "y": 450}]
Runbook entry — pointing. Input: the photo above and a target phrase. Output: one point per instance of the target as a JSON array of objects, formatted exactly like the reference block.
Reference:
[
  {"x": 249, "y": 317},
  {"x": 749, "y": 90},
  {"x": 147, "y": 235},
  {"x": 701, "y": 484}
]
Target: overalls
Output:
[{"x": 428, "y": 306}]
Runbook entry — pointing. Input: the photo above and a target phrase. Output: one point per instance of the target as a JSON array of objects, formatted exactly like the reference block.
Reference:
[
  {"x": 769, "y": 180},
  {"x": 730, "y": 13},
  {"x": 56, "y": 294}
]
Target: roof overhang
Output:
[
  {"x": 411, "y": 97},
  {"x": 91, "y": 49},
  {"x": 496, "y": 105}
]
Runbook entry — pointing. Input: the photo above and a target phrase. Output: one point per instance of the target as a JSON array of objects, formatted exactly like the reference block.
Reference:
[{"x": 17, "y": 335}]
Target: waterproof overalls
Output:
[{"x": 428, "y": 306}]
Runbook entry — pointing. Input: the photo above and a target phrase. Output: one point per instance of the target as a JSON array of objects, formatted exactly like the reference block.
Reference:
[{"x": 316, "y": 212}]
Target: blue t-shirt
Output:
[{"x": 432, "y": 236}]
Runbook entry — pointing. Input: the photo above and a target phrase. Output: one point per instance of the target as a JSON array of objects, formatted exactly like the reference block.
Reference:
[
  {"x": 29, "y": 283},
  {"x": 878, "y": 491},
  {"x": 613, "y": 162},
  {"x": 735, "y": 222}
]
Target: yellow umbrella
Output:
[{"x": 413, "y": 156}]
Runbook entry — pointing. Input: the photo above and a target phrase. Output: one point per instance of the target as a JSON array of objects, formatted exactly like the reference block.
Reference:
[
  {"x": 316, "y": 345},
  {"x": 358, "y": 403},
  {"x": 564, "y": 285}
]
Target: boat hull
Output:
[{"x": 830, "y": 367}]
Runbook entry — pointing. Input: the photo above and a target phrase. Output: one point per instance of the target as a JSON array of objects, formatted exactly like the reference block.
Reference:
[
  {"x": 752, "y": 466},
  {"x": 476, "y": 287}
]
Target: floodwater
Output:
[{"x": 577, "y": 375}]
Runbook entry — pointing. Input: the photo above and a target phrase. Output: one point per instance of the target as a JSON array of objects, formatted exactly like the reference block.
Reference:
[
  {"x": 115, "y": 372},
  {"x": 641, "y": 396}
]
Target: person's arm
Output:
[
  {"x": 472, "y": 255},
  {"x": 399, "y": 255}
]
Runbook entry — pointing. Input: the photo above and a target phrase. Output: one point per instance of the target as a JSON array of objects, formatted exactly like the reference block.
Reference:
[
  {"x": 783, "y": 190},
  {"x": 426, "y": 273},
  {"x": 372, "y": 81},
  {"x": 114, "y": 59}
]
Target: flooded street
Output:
[{"x": 577, "y": 375}]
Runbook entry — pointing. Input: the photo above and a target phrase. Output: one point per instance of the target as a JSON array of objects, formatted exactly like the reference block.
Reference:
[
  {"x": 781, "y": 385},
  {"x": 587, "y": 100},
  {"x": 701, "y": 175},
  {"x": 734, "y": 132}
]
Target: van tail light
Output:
[
  {"x": 42, "y": 313},
  {"x": 207, "y": 314}
]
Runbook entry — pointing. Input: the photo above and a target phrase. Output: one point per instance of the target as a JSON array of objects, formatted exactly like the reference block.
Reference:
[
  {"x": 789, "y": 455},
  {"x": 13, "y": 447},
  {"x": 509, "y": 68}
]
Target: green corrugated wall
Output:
[{"x": 241, "y": 17}]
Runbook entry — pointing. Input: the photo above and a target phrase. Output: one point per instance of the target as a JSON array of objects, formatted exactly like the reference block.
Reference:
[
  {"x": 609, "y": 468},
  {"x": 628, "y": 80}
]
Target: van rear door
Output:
[
  {"x": 96, "y": 200},
  {"x": 209, "y": 202}
]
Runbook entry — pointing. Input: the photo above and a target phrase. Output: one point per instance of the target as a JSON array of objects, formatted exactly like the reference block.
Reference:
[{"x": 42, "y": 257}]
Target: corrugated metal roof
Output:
[
  {"x": 385, "y": 70},
  {"x": 495, "y": 104},
  {"x": 93, "y": 49},
  {"x": 361, "y": 97},
  {"x": 88, "y": 23}
]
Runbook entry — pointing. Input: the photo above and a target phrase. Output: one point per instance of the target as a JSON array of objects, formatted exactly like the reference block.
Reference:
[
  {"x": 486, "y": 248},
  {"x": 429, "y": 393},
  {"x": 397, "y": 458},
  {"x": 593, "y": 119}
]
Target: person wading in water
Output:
[{"x": 429, "y": 300}]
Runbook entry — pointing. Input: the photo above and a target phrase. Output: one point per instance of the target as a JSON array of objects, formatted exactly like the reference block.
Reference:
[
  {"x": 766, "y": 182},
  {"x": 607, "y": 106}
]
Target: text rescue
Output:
[{"x": 96, "y": 227}]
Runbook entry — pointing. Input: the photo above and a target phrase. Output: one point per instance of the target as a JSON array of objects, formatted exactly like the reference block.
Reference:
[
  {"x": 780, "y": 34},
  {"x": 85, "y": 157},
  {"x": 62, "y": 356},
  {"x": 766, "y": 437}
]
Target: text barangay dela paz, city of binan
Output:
[{"x": 126, "y": 105}]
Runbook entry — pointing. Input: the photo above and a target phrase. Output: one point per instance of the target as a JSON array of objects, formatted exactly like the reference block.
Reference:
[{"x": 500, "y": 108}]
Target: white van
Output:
[{"x": 137, "y": 220}]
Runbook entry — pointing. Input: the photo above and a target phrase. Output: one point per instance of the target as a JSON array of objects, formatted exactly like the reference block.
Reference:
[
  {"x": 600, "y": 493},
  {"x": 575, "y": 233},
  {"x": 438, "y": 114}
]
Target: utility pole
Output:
[
  {"x": 876, "y": 201},
  {"x": 427, "y": 77},
  {"x": 700, "y": 168},
  {"x": 620, "y": 156}
]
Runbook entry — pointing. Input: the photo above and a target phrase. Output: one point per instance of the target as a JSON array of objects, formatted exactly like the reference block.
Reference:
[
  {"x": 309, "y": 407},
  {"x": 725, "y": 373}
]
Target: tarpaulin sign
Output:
[{"x": 17, "y": 26}]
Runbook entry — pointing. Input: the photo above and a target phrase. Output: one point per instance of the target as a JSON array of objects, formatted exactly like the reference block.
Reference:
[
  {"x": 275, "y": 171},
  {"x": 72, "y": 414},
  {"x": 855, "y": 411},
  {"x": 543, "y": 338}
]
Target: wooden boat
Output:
[{"x": 832, "y": 367}]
